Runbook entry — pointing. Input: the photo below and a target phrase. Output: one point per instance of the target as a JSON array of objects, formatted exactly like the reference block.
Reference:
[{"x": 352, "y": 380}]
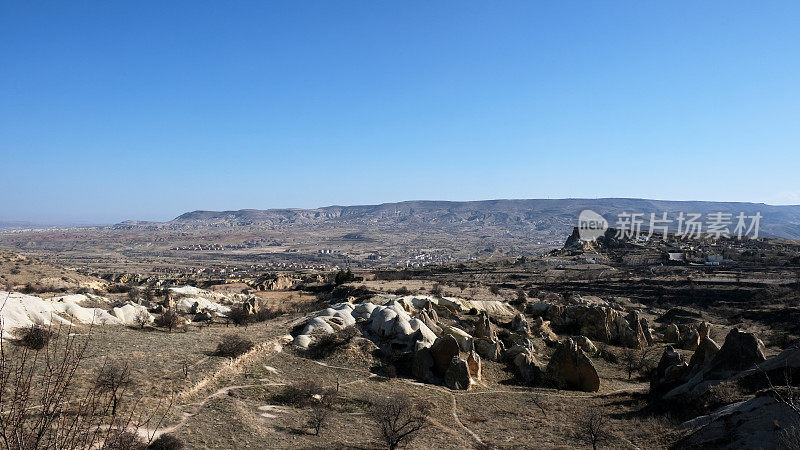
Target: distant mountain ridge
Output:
[{"x": 513, "y": 215}]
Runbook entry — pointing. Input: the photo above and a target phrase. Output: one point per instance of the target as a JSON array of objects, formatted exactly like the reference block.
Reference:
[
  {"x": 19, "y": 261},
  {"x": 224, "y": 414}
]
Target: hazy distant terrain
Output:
[
  {"x": 391, "y": 234},
  {"x": 535, "y": 215}
]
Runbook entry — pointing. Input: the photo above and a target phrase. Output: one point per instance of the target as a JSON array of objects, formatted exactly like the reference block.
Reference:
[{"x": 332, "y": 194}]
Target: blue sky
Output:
[{"x": 147, "y": 109}]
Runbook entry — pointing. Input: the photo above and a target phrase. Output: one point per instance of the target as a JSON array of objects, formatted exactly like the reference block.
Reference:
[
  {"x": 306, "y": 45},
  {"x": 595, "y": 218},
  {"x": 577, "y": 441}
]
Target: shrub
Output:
[
  {"x": 113, "y": 379},
  {"x": 437, "y": 290},
  {"x": 327, "y": 343},
  {"x": 343, "y": 277},
  {"x": 123, "y": 440},
  {"x": 142, "y": 318},
  {"x": 239, "y": 315},
  {"x": 399, "y": 418},
  {"x": 48, "y": 408},
  {"x": 133, "y": 294},
  {"x": 317, "y": 419},
  {"x": 265, "y": 313},
  {"x": 594, "y": 428},
  {"x": 495, "y": 290},
  {"x": 36, "y": 337},
  {"x": 169, "y": 320},
  {"x": 402, "y": 291},
  {"x": 233, "y": 345},
  {"x": 303, "y": 392},
  {"x": 166, "y": 441}
]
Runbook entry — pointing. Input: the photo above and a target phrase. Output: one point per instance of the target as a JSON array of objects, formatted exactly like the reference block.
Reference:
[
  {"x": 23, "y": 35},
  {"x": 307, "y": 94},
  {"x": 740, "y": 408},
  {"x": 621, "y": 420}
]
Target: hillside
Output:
[{"x": 513, "y": 215}]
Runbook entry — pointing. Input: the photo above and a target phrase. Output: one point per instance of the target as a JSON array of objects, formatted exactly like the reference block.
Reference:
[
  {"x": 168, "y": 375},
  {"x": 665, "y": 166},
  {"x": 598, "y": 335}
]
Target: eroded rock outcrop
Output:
[
  {"x": 443, "y": 350},
  {"x": 457, "y": 374},
  {"x": 760, "y": 422},
  {"x": 570, "y": 368},
  {"x": 740, "y": 351}
]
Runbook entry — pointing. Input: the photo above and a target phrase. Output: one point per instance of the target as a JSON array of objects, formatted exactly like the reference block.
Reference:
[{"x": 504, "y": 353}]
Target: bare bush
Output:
[
  {"x": 169, "y": 319},
  {"x": 133, "y": 294},
  {"x": 399, "y": 418},
  {"x": 166, "y": 441},
  {"x": 305, "y": 392},
  {"x": 124, "y": 440},
  {"x": 112, "y": 379},
  {"x": 265, "y": 313},
  {"x": 318, "y": 419},
  {"x": 42, "y": 406},
  {"x": 36, "y": 337},
  {"x": 536, "y": 399},
  {"x": 142, "y": 318},
  {"x": 790, "y": 437},
  {"x": 239, "y": 315},
  {"x": 327, "y": 343},
  {"x": 594, "y": 428},
  {"x": 437, "y": 290},
  {"x": 636, "y": 361},
  {"x": 233, "y": 345}
]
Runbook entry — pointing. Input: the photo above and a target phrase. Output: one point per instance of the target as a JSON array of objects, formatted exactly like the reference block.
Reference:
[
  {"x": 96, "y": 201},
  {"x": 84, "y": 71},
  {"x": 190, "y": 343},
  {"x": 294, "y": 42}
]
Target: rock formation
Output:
[{"x": 570, "y": 368}]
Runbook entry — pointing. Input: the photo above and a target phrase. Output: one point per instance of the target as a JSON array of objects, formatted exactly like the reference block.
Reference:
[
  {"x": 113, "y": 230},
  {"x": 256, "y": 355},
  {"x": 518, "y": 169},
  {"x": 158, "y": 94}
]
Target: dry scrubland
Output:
[
  {"x": 266, "y": 397},
  {"x": 220, "y": 404}
]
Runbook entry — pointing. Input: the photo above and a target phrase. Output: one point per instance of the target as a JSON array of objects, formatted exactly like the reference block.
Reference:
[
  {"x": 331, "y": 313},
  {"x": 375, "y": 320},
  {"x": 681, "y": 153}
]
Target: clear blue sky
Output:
[{"x": 114, "y": 110}]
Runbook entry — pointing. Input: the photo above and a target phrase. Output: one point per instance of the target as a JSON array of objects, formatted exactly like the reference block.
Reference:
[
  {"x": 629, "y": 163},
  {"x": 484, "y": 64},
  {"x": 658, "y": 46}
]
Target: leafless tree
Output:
[
  {"x": 41, "y": 406},
  {"x": 636, "y": 360},
  {"x": 399, "y": 418},
  {"x": 318, "y": 419},
  {"x": 536, "y": 399},
  {"x": 113, "y": 379},
  {"x": 142, "y": 318},
  {"x": 594, "y": 428}
]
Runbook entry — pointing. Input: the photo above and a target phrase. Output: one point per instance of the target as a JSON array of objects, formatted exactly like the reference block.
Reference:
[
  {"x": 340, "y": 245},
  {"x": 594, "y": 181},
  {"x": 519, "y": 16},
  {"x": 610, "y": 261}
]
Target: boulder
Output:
[
  {"x": 671, "y": 334},
  {"x": 740, "y": 351},
  {"x": 457, "y": 374},
  {"x": 704, "y": 352},
  {"x": 442, "y": 351},
  {"x": 570, "y": 368},
  {"x": 462, "y": 337},
  {"x": 422, "y": 366},
  {"x": 586, "y": 345},
  {"x": 527, "y": 368},
  {"x": 598, "y": 323},
  {"x": 516, "y": 349},
  {"x": 520, "y": 325},
  {"x": 630, "y": 331},
  {"x": 690, "y": 340},
  {"x": 760, "y": 422},
  {"x": 648, "y": 333},
  {"x": 704, "y": 330},
  {"x": 474, "y": 364},
  {"x": 484, "y": 329},
  {"x": 250, "y": 305},
  {"x": 541, "y": 328},
  {"x": 425, "y": 317},
  {"x": 491, "y": 350},
  {"x": 669, "y": 372},
  {"x": 739, "y": 354}
]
